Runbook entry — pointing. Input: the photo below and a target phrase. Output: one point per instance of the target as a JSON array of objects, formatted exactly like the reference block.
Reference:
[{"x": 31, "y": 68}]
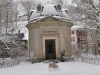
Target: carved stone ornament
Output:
[
  {"x": 39, "y": 7},
  {"x": 58, "y": 7}
]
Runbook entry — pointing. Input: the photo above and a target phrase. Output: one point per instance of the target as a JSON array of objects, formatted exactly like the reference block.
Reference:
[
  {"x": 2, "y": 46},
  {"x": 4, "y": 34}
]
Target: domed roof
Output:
[{"x": 46, "y": 10}]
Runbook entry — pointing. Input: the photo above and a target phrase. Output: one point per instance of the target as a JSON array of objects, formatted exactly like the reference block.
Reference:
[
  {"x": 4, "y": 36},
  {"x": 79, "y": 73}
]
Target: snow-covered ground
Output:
[{"x": 65, "y": 68}]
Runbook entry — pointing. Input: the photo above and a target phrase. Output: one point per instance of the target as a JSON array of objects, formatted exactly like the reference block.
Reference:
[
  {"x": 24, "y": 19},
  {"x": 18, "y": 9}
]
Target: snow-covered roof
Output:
[
  {"x": 77, "y": 27},
  {"x": 23, "y": 29},
  {"x": 48, "y": 10},
  {"x": 21, "y": 25},
  {"x": 25, "y": 36}
]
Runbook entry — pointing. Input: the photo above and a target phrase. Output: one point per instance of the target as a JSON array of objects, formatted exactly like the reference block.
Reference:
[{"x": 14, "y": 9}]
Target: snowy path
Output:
[{"x": 66, "y": 68}]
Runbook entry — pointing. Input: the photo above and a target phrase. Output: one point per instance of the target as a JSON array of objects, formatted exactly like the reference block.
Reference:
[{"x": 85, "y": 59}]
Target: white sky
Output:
[{"x": 45, "y": 1}]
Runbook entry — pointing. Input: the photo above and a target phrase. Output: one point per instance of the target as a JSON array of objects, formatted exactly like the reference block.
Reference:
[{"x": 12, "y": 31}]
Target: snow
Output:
[
  {"x": 92, "y": 28},
  {"x": 64, "y": 68},
  {"x": 48, "y": 10},
  {"x": 23, "y": 29},
  {"x": 21, "y": 25},
  {"x": 77, "y": 27},
  {"x": 38, "y": 18},
  {"x": 21, "y": 9}
]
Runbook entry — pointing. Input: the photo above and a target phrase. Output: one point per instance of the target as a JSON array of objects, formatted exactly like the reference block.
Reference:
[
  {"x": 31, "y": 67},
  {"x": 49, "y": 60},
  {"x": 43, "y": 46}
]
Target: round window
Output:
[
  {"x": 58, "y": 7},
  {"x": 39, "y": 7}
]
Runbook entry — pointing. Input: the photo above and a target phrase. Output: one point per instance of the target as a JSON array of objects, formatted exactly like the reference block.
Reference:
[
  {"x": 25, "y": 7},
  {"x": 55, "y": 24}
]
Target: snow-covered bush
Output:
[
  {"x": 69, "y": 58},
  {"x": 90, "y": 58},
  {"x": 35, "y": 60}
]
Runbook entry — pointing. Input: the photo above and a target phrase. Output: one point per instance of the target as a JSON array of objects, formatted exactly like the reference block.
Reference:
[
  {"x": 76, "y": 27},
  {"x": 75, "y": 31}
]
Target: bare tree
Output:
[
  {"x": 58, "y": 2},
  {"x": 28, "y": 6},
  {"x": 7, "y": 14},
  {"x": 0, "y": 18},
  {"x": 8, "y": 18},
  {"x": 87, "y": 12}
]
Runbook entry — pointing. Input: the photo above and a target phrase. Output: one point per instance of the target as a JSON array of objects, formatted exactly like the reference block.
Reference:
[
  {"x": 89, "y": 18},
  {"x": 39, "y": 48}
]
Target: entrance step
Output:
[{"x": 51, "y": 60}]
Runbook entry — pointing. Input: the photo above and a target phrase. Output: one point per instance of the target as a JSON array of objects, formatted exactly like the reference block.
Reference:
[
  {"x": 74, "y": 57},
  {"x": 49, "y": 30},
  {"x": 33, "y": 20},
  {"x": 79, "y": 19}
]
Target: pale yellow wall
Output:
[
  {"x": 43, "y": 37},
  {"x": 37, "y": 37},
  {"x": 65, "y": 40},
  {"x": 34, "y": 41}
]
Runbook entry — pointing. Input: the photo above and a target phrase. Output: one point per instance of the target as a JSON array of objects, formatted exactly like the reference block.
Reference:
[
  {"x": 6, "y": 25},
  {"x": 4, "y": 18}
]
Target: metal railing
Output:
[
  {"x": 9, "y": 63},
  {"x": 90, "y": 59}
]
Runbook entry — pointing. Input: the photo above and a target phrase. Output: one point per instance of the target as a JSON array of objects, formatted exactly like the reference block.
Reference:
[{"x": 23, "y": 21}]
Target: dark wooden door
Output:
[{"x": 50, "y": 49}]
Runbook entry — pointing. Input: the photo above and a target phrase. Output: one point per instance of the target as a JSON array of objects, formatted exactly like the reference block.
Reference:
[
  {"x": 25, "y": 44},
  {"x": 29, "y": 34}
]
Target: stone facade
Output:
[{"x": 49, "y": 28}]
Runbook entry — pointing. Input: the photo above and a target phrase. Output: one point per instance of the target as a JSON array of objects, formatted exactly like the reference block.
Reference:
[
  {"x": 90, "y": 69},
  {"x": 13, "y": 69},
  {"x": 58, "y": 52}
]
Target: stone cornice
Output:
[{"x": 49, "y": 21}]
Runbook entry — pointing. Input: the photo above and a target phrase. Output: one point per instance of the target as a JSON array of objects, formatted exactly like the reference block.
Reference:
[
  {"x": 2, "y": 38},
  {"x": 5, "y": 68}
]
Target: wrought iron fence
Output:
[
  {"x": 9, "y": 63},
  {"x": 90, "y": 59}
]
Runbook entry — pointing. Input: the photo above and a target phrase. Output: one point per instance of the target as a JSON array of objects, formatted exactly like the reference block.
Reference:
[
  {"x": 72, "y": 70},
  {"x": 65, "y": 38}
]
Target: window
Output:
[
  {"x": 58, "y": 7},
  {"x": 72, "y": 38},
  {"x": 73, "y": 46},
  {"x": 39, "y": 7},
  {"x": 99, "y": 44},
  {"x": 78, "y": 40},
  {"x": 72, "y": 32}
]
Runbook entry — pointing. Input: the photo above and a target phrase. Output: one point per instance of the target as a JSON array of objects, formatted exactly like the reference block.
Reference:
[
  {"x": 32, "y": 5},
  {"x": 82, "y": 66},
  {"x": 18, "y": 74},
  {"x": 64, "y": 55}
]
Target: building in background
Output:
[{"x": 78, "y": 39}]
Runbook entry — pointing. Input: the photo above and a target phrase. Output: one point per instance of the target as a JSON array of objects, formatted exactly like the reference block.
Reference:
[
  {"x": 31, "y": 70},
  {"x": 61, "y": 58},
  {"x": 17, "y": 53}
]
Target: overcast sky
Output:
[{"x": 45, "y": 1}]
